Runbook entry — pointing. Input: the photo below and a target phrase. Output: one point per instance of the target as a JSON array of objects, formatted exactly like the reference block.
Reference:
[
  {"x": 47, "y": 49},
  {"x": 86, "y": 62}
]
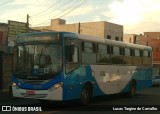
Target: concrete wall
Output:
[
  {"x": 7, "y": 70},
  {"x": 6, "y": 60},
  {"x": 113, "y": 30},
  {"x": 152, "y": 34},
  {"x": 130, "y": 38},
  {"x": 99, "y": 29},
  {"x": 4, "y": 30}
]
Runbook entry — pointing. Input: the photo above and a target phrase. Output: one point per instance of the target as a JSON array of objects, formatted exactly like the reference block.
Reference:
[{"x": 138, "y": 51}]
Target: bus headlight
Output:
[
  {"x": 57, "y": 85},
  {"x": 14, "y": 84}
]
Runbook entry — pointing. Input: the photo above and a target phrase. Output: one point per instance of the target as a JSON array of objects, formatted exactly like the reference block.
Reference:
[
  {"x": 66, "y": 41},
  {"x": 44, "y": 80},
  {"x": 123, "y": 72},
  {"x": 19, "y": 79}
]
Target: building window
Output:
[
  {"x": 117, "y": 38},
  {"x": 108, "y": 37}
]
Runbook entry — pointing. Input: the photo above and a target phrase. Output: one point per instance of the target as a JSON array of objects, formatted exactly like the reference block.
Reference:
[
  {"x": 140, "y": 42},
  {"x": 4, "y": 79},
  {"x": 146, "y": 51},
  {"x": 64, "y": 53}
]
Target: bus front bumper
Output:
[{"x": 51, "y": 94}]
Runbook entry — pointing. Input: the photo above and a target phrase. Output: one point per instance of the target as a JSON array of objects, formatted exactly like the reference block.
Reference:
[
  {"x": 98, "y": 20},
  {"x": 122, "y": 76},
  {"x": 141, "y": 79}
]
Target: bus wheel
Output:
[
  {"x": 86, "y": 95},
  {"x": 132, "y": 89}
]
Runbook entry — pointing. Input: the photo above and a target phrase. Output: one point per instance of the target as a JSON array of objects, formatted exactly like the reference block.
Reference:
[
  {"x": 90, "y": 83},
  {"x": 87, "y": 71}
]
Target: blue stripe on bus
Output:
[
  {"x": 143, "y": 79},
  {"x": 75, "y": 80}
]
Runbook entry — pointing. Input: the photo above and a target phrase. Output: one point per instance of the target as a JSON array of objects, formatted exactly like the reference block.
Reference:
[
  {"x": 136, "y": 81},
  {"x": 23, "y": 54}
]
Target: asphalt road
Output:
[{"x": 146, "y": 101}]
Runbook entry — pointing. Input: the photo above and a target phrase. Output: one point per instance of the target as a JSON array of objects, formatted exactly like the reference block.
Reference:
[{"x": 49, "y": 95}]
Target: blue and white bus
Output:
[{"x": 66, "y": 66}]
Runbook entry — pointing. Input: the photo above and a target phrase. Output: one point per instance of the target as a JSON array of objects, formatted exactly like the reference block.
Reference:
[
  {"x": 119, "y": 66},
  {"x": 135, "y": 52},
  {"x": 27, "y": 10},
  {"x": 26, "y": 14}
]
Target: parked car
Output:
[{"x": 156, "y": 80}]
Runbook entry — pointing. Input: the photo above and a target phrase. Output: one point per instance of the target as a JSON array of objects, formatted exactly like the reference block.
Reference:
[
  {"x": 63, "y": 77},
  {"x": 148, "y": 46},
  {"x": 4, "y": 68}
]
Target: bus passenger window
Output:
[
  {"x": 127, "y": 51},
  {"x": 71, "y": 55},
  {"x": 127, "y": 59},
  {"x": 145, "y": 53},
  {"x": 116, "y": 56},
  {"x": 102, "y": 56},
  {"x": 137, "y": 53},
  {"x": 89, "y": 55},
  {"x": 137, "y": 60},
  {"x": 109, "y": 49},
  {"x": 146, "y": 58},
  {"x": 116, "y": 50}
]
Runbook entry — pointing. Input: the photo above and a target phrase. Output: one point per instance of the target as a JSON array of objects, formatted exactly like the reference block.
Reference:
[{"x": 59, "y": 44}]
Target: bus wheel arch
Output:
[
  {"x": 86, "y": 93},
  {"x": 132, "y": 88}
]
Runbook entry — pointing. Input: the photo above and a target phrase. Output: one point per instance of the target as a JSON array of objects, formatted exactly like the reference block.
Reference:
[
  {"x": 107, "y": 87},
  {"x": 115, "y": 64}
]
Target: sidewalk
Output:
[{"x": 5, "y": 95}]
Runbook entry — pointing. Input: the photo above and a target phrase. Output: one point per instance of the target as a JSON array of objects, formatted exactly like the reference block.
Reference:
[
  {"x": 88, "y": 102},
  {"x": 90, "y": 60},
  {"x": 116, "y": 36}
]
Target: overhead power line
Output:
[
  {"x": 46, "y": 9},
  {"x": 66, "y": 7},
  {"x": 72, "y": 8},
  {"x": 6, "y": 2},
  {"x": 60, "y": 6}
]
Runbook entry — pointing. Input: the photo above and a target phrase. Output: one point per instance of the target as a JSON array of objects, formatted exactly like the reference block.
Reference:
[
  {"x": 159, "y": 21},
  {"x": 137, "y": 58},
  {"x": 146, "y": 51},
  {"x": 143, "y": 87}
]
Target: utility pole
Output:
[
  {"x": 27, "y": 22},
  {"x": 79, "y": 28}
]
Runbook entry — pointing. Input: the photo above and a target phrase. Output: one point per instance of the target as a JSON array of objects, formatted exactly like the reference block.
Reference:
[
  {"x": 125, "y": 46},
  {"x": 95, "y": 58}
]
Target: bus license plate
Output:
[{"x": 30, "y": 92}]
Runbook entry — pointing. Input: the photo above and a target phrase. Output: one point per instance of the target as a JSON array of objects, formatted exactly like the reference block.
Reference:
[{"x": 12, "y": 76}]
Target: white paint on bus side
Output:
[{"x": 112, "y": 79}]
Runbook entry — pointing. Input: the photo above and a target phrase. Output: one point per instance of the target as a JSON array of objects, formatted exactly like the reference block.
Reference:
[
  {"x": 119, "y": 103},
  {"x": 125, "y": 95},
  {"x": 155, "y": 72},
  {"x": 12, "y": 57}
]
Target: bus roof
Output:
[
  {"x": 108, "y": 41},
  {"x": 94, "y": 39}
]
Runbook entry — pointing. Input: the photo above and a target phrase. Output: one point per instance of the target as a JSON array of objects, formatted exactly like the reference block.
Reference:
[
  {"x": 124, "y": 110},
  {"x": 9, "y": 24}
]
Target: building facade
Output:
[
  {"x": 152, "y": 34},
  {"x": 3, "y": 36},
  {"x": 100, "y": 29},
  {"x": 5, "y": 58},
  {"x": 130, "y": 38}
]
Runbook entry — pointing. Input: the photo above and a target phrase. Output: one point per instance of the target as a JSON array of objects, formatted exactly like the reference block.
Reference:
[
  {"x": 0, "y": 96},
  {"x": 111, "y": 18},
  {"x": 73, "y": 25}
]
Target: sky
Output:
[{"x": 136, "y": 16}]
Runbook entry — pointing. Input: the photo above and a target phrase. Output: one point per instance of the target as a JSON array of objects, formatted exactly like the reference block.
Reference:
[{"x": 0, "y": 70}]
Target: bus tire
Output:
[
  {"x": 132, "y": 88},
  {"x": 86, "y": 95}
]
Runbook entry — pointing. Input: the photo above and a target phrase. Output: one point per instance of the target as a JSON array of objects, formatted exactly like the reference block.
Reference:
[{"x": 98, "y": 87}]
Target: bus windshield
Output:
[{"x": 38, "y": 59}]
